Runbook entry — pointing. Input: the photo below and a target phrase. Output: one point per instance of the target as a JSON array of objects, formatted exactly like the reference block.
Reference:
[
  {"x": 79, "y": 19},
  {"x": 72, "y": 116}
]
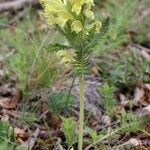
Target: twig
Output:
[
  {"x": 42, "y": 115},
  {"x": 72, "y": 84}
]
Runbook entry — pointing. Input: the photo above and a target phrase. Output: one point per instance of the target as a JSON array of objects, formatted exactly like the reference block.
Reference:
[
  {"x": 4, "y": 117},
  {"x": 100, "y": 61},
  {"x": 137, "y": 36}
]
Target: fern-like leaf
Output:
[
  {"x": 56, "y": 47},
  {"x": 94, "y": 40},
  {"x": 105, "y": 27}
]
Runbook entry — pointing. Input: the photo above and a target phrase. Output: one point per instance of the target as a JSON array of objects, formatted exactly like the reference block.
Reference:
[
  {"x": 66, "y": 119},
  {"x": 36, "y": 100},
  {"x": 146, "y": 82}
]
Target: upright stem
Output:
[{"x": 81, "y": 117}]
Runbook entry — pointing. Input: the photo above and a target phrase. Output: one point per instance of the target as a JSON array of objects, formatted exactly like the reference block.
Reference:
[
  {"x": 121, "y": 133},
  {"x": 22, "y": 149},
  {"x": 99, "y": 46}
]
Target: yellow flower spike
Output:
[{"x": 76, "y": 26}]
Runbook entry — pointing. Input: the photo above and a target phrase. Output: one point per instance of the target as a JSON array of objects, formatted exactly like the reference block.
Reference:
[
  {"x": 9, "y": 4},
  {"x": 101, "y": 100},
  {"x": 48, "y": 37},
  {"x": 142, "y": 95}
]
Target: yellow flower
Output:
[
  {"x": 77, "y": 5},
  {"x": 56, "y": 12},
  {"x": 52, "y": 4},
  {"x": 66, "y": 56},
  {"x": 76, "y": 26},
  {"x": 63, "y": 17},
  {"x": 71, "y": 2},
  {"x": 96, "y": 26},
  {"x": 91, "y": 2},
  {"x": 87, "y": 11}
]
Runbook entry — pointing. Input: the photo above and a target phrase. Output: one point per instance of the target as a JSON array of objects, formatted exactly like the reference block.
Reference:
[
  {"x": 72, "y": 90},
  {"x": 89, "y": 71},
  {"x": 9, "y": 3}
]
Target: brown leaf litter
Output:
[
  {"x": 141, "y": 96},
  {"x": 11, "y": 101}
]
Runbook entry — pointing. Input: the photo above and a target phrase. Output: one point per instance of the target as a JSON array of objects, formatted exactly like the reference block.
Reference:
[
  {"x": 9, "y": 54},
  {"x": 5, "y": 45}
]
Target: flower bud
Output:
[
  {"x": 98, "y": 26},
  {"x": 76, "y": 26}
]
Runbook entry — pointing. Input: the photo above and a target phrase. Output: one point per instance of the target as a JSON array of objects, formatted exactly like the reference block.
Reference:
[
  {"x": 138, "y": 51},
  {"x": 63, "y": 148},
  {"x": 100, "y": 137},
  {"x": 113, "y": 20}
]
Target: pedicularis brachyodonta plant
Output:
[{"x": 75, "y": 20}]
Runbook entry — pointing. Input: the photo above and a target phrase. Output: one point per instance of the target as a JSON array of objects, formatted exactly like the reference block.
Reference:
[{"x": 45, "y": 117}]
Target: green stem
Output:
[{"x": 81, "y": 116}]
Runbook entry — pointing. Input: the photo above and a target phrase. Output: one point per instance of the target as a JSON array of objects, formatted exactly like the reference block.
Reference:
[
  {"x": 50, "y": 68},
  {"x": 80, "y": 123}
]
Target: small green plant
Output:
[
  {"x": 125, "y": 70},
  {"x": 28, "y": 117},
  {"x": 11, "y": 146},
  {"x": 4, "y": 132},
  {"x": 107, "y": 92},
  {"x": 93, "y": 134},
  {"x": 28, "y": 112},
  {"x": 7, "y": 141},
  {"x": 127, "y": 118},
  {"x": 58, "y": 102},
  {"x": 75, "y": 20},
  {"x": 128, "y": 123},
  {"x": 70, "y": 131}
]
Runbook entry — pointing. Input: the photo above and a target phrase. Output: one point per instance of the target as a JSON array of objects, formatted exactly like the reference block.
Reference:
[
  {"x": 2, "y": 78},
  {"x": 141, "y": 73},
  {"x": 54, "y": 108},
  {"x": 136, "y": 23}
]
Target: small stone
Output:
[
  {"x": 133, "y": 142},
  {"x": 106, "y": 120}
]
